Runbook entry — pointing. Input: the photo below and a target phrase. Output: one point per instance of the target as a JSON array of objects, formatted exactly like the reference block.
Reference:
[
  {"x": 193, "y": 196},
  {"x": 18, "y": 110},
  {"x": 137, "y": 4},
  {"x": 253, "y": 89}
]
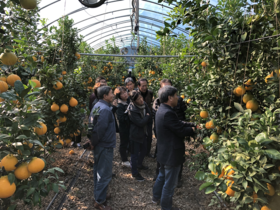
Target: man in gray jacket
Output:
[{"x": 103, "y": 142}]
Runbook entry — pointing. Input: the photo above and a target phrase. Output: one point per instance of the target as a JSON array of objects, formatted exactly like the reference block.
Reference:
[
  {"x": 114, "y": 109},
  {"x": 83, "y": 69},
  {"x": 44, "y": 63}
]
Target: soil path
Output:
[{"x": 127, "y": 194}]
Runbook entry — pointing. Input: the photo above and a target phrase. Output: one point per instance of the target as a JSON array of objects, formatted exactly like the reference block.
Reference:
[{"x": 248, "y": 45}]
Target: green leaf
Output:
[
  {"x": 36, "y": 142},
  {"x": 21, "y": 137},
  {"x": 36, "y": 197},
  {"x": 32, "y": 84},
  {"x": 9, "y": 96},
  {"x": 30, "y": 191},
  {"x": 210, "y": 189},
  {"x": 12, "y": 207},
  {"x": 212, "y": 167},
  {"x": 206, "y": 184},
  {"x": 4, "y": 136},
  {"x": 222, "y": 149},
  {"x": 55, "y": 187},
  {"x": 11, "y": 178},
  {"x": 58, "y": 169},
  {"x": 243, "y": 37},
  {"x": 200, "y": 175},
  {"x": 25, "y": 92},
  {"x": 238, "y": 107},
  {"x": 19, "y": 87},
  {"x": 260, "y": 137},
  {"x": 272, "y": 153}
]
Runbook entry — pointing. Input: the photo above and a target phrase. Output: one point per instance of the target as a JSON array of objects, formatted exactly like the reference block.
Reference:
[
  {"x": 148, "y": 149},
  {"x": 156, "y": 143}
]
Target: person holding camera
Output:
[
  {"x": 170, "y": 145},
  {"x": 102, "y": 135},
  {"x": 139, "y": 116},
  {"x": 123, "y": 101}
]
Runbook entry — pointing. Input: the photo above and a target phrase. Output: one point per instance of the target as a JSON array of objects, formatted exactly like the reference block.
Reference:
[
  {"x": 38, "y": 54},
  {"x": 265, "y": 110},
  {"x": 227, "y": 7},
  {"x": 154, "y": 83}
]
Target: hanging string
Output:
[{"x": 277, "y": 72}]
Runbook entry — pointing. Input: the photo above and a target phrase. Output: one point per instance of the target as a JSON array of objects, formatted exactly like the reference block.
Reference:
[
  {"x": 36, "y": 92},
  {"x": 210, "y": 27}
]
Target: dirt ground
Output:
[{"x": 126, "y": 193}]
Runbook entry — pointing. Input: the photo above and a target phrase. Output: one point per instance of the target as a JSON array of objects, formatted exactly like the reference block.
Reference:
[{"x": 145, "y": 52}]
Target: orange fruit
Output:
[
  {"x": 3, "y": 86},
  {"x": 249, "y": 85},
  {"x": 71, "y": 152},
  {"x": 255, "y": 197},
  {"x": 189, "y": 100},
  {"x": 210, "y": 125},
  {"x": 247, "y": 97},
  {"x": 77, "y": 133},
  {"x": 73, "y": 102},
  {"x": 240, "y": 90},
  {"x": 34, "y": 58},
  {"x": 265, "y": 208},
  {"x": 8, "y": 58},
  {"x": 6, "y": 188},
  {"x": 271, "y": 190},
  {"x": 42, "y": 59},
  {"x": 64, "y": 72},
  {"x": 2, "y": 100},
  {"x": 9, "y": 162},
  {"x": 57, "y": 130},
  {"x": 22, "y": 172},
  {"x": 11, "y": 79},
  {"x": 214, "y": 137},
  {"x": 38, "y": 83},
  {"x": 68, "y": 141},
  {"x": 62, "y": 119},
  {"x": 3, "y": 78},
  {"x": 182, "y": 96},
  {"x": 36, "y": 165},
  {"x": 64, "y": 108},
  {"x": 60, "y": 78},
  {"x": 253, "y": 105},
  {"x": 229, "y": 191},
  {"x": 58, "y": 85},
  {"x": 221, "y": 175},
  {"x": 204, "y": 114},
  {"x": 229, "y": 171},
  {"x": 54, "y": 107},
  {"x": 42, "y": 130},
  {"x": 269, "y": 76},
  {"x": 204, "y": 64}
]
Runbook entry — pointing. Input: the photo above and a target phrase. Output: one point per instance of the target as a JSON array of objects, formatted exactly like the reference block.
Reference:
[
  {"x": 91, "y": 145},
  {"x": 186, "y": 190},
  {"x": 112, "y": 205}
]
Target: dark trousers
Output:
[
  {"x": 150, "y": 137},
  {"x": 180, "y": 173},
  {"x": 165, "y": 184},
  {"x": 77, "y": 139},
  {"x": 138, "y": 152},
  {"x": 124, "y": 145}
]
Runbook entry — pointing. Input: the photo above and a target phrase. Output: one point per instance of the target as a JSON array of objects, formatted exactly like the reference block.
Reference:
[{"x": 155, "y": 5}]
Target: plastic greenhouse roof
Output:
[{"x": 110, "y": 19}]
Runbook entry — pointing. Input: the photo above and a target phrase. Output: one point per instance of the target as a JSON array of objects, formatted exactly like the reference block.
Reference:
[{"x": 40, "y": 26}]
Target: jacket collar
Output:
[
  {"x": 105, "y": 102},
  {"x": 167, "y": 106}
]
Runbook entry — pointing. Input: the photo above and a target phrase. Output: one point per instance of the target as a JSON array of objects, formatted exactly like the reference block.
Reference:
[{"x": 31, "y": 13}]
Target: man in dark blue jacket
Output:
[
  {"x": 103, "y": 142},
  {"x": 170, "y": 142}
]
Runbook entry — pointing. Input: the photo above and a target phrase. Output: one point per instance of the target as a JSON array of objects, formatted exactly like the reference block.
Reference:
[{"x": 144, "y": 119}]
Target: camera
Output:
[{"x": 85, "y": 146}]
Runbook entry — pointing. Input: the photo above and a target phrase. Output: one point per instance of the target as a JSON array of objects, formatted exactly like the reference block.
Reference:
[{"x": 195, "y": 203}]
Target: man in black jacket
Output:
[
  {"x": 170, "y": 141},
  {"x": 139, "y": 116},
  {"x": 180, "y": 111}
]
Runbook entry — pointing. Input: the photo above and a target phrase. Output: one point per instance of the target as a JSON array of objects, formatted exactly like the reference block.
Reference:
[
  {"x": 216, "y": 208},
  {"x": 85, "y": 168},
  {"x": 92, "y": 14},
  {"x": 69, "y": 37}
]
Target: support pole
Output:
[
  {"x": 138, "y": 56},
  {"x": 137, "y": 24}
]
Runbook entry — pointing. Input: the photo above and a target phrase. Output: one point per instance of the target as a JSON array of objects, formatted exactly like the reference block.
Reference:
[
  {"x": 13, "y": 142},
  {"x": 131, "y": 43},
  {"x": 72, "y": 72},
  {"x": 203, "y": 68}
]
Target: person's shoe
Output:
[
  {"x": 156, "y": 201},
  {"x": 79, "y": 145},
  {"x": 155, "y": 177},
  {"x": 73, "y": 144},
  {"x": 114, "y": 175},
  {"x": 126, "y": 164},
  {"x": 180, "y": 184},
  {"x": 108, "y": 196},
  {"x": 175, "y": 208},
  {"x": 101, "y": 206},
  {"x": 138, "y": 177},
  {"x": 142, "y": 167}
]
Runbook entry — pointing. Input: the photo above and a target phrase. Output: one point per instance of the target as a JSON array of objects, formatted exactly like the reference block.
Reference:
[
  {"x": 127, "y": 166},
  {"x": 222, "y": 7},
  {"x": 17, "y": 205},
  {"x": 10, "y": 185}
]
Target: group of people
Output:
[{"x": 136, "y": 113}]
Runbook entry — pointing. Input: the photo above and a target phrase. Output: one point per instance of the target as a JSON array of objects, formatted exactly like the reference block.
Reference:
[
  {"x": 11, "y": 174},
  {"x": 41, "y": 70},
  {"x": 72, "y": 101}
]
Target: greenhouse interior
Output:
[{"x": 140, "y": 104}]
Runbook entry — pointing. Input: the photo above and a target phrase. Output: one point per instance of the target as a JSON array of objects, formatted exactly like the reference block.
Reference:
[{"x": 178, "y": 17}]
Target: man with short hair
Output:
[
  {"x": 129, "y": 84},
  {"x": 93, "y": 97},
  {"x": 180, "y": 111},
  {"x": 170, "y": 133},
  {"x": 148, "y": 98},
  {"x": 102, "y": 141}
]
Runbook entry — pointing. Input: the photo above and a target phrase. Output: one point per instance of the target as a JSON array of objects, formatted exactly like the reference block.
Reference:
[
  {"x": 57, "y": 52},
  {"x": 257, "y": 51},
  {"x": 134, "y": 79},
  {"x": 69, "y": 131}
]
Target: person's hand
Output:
[
  {"x": 148, "y": 114},
  {"x": 193, "y": 129},
  {"x": 198, "y": 127},
  {"x": 90, "y": 146}
]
